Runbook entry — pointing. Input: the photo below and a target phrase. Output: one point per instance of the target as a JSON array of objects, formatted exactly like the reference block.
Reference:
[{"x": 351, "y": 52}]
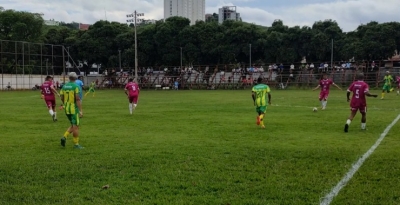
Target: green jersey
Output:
[
  {"x": 260, "y": 91},
  {"x": 388, "y": 80},
  {"x": 69, "y": 91},
  {"x": 92, "y": 85}
]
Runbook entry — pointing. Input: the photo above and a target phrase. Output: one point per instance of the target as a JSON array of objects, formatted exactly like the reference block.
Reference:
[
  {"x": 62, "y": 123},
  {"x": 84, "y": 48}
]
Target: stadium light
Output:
[{"x": 133, "y": 18}]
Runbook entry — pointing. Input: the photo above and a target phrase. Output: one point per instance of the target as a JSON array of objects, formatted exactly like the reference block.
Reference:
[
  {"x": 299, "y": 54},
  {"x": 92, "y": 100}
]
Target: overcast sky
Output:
[{"x": 348, "y": 13}]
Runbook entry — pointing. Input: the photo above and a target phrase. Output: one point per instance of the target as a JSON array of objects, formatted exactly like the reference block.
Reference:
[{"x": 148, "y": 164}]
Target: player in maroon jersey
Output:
[
  {"x": 48, "y": 92},
  {"x": 132, "y": 90},
  {"x": 398, "y": 84},
  {"x": 325, "y": 85},
  {"x": 360, "y": 89}
]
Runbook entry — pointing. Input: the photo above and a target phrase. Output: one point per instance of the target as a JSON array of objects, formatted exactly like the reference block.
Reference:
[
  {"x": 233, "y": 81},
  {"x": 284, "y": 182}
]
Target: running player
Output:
[
  {"x": 80, "y": 86},
  {"x": 398, "y": 84},
  {"x": 325, "y": 85},
  {"x": 360, "y": 89},
  {"x": 387, "y": 87},
  {"x": 73, "y": 109},
  {"x": 132, "y": 90},
  {"x": 91, "y": 89},
  {"x": 48, "y": 92},
  {"x": 259, "y": 92}
]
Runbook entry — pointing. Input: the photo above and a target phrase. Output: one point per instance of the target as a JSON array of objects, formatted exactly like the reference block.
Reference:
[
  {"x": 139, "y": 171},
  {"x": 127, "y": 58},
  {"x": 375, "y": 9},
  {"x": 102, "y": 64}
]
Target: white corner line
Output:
[{"x": 342, "y": 183}]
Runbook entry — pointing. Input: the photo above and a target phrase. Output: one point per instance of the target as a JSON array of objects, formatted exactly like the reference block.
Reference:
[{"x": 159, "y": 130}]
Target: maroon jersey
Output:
[
  {"x": 133, "y": 89},
  {"x": 47, "y": 91},
  {"x": 325, "y": 85},
  {"x": 358, "y": 88}
]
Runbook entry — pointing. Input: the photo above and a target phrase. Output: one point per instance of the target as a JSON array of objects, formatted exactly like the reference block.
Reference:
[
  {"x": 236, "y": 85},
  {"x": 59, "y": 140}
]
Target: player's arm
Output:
[
  {"x": 348, "y": 95},
  {"x": 370, "y": 95},
  {"x": 317, "y": 87},
  {"x": 54, "y": 90},
  {"x": 126, "y": 91},
  {"x": 79, "y": 104},
  {"x": 253, "y": 95},
  {"x": 269, "y": 98},
  {"x": 337, "y": 86}
]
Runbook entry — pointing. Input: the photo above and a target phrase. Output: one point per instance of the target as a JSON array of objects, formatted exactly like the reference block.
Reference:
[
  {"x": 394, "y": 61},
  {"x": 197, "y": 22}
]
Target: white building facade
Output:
[
  {"x": 194, "y": 10},
  {"x": 228, "y": 13}
]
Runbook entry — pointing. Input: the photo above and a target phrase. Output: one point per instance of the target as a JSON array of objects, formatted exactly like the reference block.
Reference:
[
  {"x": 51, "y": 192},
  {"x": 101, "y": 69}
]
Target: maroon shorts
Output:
[
  {"x": 133, "y": 99},
  {"x": 361, "y": 108},
  {"x": 323, "y": 95},
  {"x": 51, "y": 103}
]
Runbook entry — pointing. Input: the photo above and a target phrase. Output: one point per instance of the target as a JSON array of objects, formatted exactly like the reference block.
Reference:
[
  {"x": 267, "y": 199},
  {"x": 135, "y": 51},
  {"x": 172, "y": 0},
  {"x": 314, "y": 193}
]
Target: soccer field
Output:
[{"x": 197, "y": 147}]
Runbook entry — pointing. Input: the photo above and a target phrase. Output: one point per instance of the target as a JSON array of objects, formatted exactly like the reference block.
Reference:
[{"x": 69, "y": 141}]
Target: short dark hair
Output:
[
  {"x": 360, "y": 76},
  {"x": 48, "y": 77},
  {"x": 130, "y": 80},
  {"x": 259, "y": 80}
]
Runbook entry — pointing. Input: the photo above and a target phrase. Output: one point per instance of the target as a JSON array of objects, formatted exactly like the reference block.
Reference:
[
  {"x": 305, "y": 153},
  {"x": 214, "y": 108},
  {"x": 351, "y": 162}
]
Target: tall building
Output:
[
  {"x": 194, "y": 10},
  {"x": 228, "y": 13}
]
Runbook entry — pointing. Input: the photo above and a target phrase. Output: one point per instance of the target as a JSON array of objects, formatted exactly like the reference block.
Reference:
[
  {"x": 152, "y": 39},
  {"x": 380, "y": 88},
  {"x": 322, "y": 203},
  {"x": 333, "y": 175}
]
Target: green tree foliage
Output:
[
  {"x": 206, "y": 43},
  {"x": 20, "y": 26}
]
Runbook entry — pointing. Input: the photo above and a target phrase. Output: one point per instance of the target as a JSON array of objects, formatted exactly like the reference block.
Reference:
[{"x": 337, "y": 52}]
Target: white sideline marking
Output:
[{"x": 335, "y": 191}]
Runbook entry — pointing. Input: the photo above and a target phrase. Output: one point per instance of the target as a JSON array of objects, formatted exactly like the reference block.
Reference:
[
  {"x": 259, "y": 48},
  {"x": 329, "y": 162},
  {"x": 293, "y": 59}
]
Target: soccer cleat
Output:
[
  {"x": 391, "y": 90},
  {"x": 346, "y": 128},
  {"x": 63, "y": 141},
  {"x": 78, "y": 147},
  {"x": 54, "y": 117},
  {"x": 263, "y": 126},
  {"x": 258, "y": 120}
]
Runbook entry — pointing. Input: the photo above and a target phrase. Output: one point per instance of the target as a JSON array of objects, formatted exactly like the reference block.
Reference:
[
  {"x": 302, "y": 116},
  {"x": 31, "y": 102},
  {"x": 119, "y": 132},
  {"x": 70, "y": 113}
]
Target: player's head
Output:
[
  {"x": 48, "y": 78},
  {"x": 360, "y": 76},
  {"x": 130, "y": 80},
  {"x": 72, "y": 76},
  {"x": 325, "y": 76},
  {"x": 387, "y": 72},
  {"x": 259, "y": 80}
]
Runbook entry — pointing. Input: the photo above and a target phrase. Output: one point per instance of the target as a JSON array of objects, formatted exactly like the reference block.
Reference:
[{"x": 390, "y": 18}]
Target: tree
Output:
[{"x": 20, "y": 26}]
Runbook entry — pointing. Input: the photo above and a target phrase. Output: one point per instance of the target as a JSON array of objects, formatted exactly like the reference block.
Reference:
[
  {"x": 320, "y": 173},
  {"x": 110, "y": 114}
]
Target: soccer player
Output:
[
  {"x": 325, "y": 85},
  {"x": 360, "y": 89},
  {"x": 80, "y": 86},
  {"x": 91, "y": 89},
  {"x": 73, "y": 109},
  {"x": 48, "y": 92},
  {"x": 398, "y": 84},
  {"x": 259, "y": 92},
  {"x": 387, "y": 87},
  {"x": 132, "y": 90}
]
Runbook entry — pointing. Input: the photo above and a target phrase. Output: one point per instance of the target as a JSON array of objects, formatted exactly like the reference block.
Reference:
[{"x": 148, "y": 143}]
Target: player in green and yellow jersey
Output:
[
  {"x": 387, "y": 87},
  {"x": 73, "y": 109},
  {"x": 91, "y": 88},
  {"x": 259, "y": 93}
]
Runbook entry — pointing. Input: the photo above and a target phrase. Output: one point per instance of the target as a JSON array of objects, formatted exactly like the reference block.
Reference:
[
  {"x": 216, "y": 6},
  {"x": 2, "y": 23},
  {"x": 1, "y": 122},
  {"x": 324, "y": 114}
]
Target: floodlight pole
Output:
[
  {"x": 136, "y": 58},
  {"x": 135, "y": 21},
  {"x": 250, "y": 54}
]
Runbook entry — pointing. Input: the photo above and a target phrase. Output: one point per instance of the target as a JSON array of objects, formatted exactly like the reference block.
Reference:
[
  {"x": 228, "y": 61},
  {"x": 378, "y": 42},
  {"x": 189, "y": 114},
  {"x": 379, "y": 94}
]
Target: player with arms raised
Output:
[
  {"x": 325, "y": 85},
  {"x": 132, "y": 90},
  {"x": 48, "y": 92},
  {"x": 73, "y": 109},
  {"x": 259, "y": 92},
  {"x": 360, "y": 89}
]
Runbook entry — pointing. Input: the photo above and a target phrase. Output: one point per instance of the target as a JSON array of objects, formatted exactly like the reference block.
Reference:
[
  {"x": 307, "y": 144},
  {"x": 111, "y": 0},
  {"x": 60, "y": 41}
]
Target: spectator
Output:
[
  {"x": 373, "y": 65},
  {"x": 312, "y": 66},
  {"x": 326, "y": 66},
  {"x": 261, "y": 69},
  {"x": 348, "y": 65},
  {"x": 292, "y": 67},
  {"x": 281, "y": 68}
]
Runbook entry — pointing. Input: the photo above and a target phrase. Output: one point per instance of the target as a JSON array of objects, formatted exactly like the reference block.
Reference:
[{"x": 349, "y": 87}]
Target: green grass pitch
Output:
[{"x": 197, "y": 147}]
